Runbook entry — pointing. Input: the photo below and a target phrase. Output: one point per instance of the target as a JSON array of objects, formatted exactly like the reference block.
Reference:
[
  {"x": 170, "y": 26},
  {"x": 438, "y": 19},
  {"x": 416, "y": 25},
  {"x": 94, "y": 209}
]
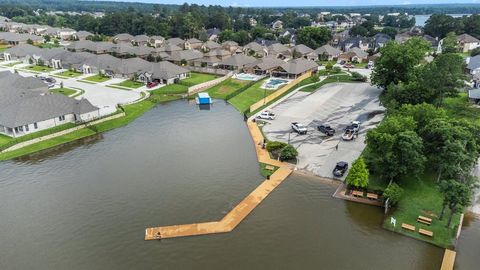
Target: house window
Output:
[
  {"x": 27, "y": 128},
  {"x": 35, "y": 125},
  {"x": 61, "y": 118}
]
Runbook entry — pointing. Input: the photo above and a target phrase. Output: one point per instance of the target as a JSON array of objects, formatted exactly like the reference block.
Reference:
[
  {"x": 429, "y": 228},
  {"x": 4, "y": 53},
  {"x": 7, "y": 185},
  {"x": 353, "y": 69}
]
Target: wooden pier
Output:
[
  {"x": 448, "y": 260},
  {"x": 239, "y": 212}
]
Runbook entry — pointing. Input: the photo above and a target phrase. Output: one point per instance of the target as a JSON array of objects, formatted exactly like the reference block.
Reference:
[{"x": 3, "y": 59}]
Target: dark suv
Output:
[
  {"x": 340, "y": 169},
  {"x": 326, "y": 129}
]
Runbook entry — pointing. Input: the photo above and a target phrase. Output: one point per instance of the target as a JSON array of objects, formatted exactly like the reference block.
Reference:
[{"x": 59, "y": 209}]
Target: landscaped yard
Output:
[
  {"x": 225, "y": 88},
  {"x": 64, "y": 91},
  {"x": 97, "y": 78},
  {"x": 460, "y": 108},
  {"x": 171, "y": 89},
  {"x": 37, "y": 68},
  {"x": 245, "y": 99},
  {"x": 130, "y": 84},
  {"x": 69, "y": 73},
  {"x": 197, "y": 78},
  {"x": 422, "y": 198}
]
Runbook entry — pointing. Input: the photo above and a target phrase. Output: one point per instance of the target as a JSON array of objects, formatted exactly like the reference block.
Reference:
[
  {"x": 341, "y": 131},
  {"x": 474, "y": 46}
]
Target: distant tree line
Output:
[{"x": 439, "y": 25}]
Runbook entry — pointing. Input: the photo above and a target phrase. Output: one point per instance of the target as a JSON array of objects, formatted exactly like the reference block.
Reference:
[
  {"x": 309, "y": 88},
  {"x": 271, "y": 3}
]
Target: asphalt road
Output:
[{"x": 334, "y": 104}]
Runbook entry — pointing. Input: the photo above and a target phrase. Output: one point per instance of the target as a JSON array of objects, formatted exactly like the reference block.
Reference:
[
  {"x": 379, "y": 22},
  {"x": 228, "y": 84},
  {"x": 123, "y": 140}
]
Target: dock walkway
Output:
[{"x": 239, "y": 212}]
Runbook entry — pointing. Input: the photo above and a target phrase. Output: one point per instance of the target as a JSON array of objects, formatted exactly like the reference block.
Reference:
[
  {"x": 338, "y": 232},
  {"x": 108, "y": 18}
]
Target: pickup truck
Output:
[
  {"x": 326, "y": 129},
  {"x": 266, "y": 115},
  {"x": 299, "y": 128},
  {"x": 349, "y": 134},
  {"x": 356, "y": 126},
  {"x": 340, "y": 169}
]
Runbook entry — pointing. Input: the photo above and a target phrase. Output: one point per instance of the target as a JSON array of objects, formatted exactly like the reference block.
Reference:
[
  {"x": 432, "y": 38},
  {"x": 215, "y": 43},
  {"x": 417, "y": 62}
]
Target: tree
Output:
[
  {"x": 314, "y": 37},
  {"x": 456, "y": 196},
  {"x": 439, "y": 25},
  {"x": 358, "y": 174},
  {"x": 393, "y": 193},
  {"x": 398, "y": 61},
  {"x": 449, "y": 43},
  {"x": 394, "y": 149},
  {"x": 391, "y": 31},
  {"x": 475, "y": 52},
  {"x": 359, "y": 30},
  {"x": 46, "y": 38},
  {"x": 29, "y": 41}
]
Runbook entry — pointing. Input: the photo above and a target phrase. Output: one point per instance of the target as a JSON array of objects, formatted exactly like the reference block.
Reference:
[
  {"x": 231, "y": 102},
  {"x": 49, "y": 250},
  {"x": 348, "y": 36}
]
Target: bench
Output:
[
  {"x": 372, "y": 196},
  {"x": 424, "y": 220},
  {"x": 408, "y": 227},
  {"x": 269, "y": 167},
  {"x": 426, "y": 232},
  {"x": 357, "y": 193}
]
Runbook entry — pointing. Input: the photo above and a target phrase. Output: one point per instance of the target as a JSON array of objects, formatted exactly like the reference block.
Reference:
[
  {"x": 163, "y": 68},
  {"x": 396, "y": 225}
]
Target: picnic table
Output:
[
  {"x": 270, "y": 167},
  {"x": 426, "y": 232},
  {"x": 424, "y": 220},
  {"x": 357, "y": 193},
  {"x": 372, "y": 196},
  {"x": 408, "y": 227}
]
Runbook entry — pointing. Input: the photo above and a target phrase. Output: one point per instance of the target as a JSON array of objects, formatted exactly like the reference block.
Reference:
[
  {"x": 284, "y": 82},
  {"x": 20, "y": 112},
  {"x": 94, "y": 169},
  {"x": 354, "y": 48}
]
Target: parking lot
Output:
[{"x": 336, "y": 105}]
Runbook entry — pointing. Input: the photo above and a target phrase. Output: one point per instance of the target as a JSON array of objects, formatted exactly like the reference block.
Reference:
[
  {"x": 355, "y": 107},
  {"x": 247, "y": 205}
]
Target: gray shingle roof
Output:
[
  {"x": 185, "y": 55},
  {"x": 238, "y": 60},
  {"x": 474, "y": 62},
  {"x": 166, "y": 70},
  {"x": 23, "y": 50},
  {"x": 328, "y": 50},
  {"x": 299, "y": 65},
  {"x": 302, "y": 49}
]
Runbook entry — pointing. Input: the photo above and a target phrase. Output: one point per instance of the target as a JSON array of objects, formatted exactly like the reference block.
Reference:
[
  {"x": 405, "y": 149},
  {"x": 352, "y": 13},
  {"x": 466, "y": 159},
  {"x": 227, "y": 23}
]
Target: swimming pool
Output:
[
  {"x": 274, "y": 83},
  {"x": 246, "y": 77}
]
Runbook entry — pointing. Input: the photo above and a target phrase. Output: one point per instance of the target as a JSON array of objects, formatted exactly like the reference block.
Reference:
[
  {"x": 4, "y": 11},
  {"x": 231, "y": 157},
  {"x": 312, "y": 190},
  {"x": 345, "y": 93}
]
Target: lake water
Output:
[
  {"x": 86, "y": 205},
  {"x": 420, "y": 20}
]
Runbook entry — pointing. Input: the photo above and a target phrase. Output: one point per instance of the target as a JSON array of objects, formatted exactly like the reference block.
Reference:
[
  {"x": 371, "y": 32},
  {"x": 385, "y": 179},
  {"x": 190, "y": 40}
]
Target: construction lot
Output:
[{"x": 336, "y": 105}]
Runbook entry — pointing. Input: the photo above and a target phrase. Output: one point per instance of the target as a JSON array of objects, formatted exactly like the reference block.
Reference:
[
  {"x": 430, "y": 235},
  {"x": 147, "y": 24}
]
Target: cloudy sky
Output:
[{"x": 277, "y": 3}]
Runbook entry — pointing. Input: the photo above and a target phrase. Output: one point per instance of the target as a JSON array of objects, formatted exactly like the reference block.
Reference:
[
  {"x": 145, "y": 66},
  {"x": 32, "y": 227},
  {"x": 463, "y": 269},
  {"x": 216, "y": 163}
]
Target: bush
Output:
[
  {"x": 288, "y": 153},
  {"x": 329, "y": 66},
  {"x": 275, "y": 146},
  {"x": 358, "y": 77},
  {"x": 393, "y": 192},
  {"x": 336, "y": 70}
]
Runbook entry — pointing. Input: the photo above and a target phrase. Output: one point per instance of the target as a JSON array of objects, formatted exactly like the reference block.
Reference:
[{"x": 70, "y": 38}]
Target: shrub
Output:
[
  {"x": 358, "y": 77},
  {"x": 288, "y": 153},
  {"x": 336, "y": 70},
  {"x": 393, "y": 192},
  {"x": 329, "y": 66},
  {"x": 275, "y": 146}
]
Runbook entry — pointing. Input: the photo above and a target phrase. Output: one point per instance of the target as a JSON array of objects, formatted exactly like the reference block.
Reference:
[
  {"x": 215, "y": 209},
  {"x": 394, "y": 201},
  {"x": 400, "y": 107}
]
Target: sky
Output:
[{"x": 290, "y": 3}]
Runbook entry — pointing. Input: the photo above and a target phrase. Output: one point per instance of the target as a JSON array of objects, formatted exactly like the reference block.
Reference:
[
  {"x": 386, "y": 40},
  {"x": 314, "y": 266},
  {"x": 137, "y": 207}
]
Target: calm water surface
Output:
[{"x": 86, "y": 205}]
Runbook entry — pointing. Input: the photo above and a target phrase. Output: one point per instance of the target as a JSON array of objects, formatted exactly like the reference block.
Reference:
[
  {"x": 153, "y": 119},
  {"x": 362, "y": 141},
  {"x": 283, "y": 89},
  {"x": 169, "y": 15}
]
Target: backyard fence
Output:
[{"x": 202, "y": 86}]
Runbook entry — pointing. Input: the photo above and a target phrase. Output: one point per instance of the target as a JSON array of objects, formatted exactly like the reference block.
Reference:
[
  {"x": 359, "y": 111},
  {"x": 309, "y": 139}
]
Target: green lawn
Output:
[
  {"x": 48, "y": 45},
  {"x": 96, "y": 78},
  {"x": 4, "y": 139},
  {"x": 197, "y": 78},
  {"x": 458, "y": 107},
  {"x": 37, "y": 68},
  {"x": 421, "y": 197},
  {"x": 130, "y": 84},
  {"x": 223, "y": 89},
  {"x": 245, "y": 99},
  {"x": 69, "y": 73},
  {"x": 264, "y": 172},
  {"x": 171, "y": 89},
  {"x": 64, "y": 91}
]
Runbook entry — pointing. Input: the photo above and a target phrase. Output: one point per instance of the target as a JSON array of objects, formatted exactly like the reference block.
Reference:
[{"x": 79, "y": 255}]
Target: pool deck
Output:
[{"x": 239, "y": 212}]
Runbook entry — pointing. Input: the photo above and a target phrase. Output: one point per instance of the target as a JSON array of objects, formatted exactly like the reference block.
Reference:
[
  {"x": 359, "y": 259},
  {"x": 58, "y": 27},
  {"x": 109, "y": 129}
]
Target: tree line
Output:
[
  {"x": 439, "y": 25},
  {"x": 418, "y": 134}
]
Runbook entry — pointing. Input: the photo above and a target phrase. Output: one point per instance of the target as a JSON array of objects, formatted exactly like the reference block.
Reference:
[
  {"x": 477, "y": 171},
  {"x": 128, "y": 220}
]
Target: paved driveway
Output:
[
  {"x": 98, "y": 94},
  {"x": 334, "y": 104}
]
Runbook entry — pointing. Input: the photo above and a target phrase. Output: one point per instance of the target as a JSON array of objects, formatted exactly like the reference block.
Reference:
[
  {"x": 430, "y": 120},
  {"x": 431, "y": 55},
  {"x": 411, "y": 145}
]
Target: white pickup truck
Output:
[{"x": 299, "y": 128}]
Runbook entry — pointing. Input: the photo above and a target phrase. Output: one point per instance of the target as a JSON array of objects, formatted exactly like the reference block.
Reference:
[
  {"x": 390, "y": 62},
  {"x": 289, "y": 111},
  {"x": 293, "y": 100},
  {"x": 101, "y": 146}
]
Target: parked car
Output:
[
  {"x": 348, "y": 66},
  {"x": 341, "y": 62},
  {"x": 340, "y": 169},
  {"x": 152, "y": 84},
  {"x": 326, "y": 129},
  {"x": 299, "y": 128},
  {"x": 356, "y": 126},
  {"x": 266, "y": 115},
  {"x": 50, "y": 80},
  {"x": 349, "y": 134}
]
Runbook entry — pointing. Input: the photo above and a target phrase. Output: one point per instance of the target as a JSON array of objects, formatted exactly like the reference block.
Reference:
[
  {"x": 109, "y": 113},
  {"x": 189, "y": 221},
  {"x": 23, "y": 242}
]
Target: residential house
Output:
[
  {"x": 156, "y": 41},
  {"x": 277, "y": 25},
  {"x": 264, "y": 66},
  {"x": 193, "y": 44},
  {"x": 65, "y": 33},
  {"x": 185, "y": 58},
  {"x": 82, "y": 35},
  {"x": 22, "y": 52},
  {"x": 354, "y": 54},
  {"x": 380, "y": 40},
  {"x": 210, "y": 45},
  {"x": 467, "y": 43},
  {"x": 279, "y": 50},
  {"x": 232, "y": 47},
  {"x": 359, "y": 42},
  {"x": 123, "y": 38},
  {"x": 27, "y": 107},
  {"x": 295, "y": 68},
  {"x": 237, "y": 62},
  {"x": 302, "y": 51},
  {"x": 327, "y": 52},
  {"x": 473, "y": 64},
  {"x": 164, "y": 72},
  {"x": 213, "y": 34},
  {"x": 16, "y": 38},
  {"x": 255, "y": 49},
  {"x": 140, "y": 40}
]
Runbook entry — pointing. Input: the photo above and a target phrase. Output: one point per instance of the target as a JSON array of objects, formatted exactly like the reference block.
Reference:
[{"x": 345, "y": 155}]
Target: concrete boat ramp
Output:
[{"x": 239, "y": 212}]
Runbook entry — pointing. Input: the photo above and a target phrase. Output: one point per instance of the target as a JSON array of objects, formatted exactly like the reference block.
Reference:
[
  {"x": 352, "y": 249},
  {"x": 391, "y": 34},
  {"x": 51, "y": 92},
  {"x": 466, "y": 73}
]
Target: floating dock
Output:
[{"x": 239, "y": 212}]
